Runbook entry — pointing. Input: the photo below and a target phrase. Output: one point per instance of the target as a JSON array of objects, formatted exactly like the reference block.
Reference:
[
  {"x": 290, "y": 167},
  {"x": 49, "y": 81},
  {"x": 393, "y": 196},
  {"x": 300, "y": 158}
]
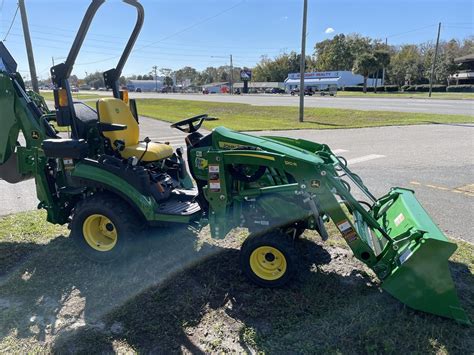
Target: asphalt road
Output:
[
  {"x": 435, "y": 160},
  {"x": 458, "y": 107}
]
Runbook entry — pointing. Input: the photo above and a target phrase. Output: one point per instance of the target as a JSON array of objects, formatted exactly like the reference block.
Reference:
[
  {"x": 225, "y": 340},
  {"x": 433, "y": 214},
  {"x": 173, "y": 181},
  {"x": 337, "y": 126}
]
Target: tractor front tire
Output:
[
  {"x": 102, "y": 226},
  {"x": 268, "y": 260}
]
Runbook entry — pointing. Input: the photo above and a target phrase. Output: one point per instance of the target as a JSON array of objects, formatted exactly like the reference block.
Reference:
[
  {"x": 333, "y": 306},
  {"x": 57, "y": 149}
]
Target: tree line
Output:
[
  {"x": 181, "y": 76},
  {"x": 408, "y": 64}
]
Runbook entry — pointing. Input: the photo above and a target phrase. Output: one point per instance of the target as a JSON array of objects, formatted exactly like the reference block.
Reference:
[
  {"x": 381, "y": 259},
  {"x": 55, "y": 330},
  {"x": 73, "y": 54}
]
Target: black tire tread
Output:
[
  {"x": 277, "y": 239},
  {"x": 128, "y": 218}
]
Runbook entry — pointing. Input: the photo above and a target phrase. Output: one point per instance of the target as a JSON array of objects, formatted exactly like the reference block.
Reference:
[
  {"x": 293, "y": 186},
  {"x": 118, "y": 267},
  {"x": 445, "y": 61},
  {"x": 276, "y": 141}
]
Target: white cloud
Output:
[{"x": 329, "y": 30}]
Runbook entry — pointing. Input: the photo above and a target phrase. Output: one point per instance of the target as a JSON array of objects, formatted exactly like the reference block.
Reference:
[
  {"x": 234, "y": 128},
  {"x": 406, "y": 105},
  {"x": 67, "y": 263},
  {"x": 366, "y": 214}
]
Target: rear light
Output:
[
  {"x": 124, "y": 96},
  {"x": 61, "y": 95}
]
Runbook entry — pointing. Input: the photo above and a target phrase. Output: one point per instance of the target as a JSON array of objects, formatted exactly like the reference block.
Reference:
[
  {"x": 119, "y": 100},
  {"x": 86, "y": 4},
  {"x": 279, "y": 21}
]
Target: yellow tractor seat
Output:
[
  {"x": 155, "y": 151},
  {"x": 115, "y": 111}
]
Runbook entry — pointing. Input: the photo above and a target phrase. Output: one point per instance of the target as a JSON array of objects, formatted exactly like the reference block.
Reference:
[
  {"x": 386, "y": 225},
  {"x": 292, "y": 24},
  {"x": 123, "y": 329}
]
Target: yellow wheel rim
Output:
[
  {"x": 268, "y": 263},
  {"x": 99, "y": 232}
]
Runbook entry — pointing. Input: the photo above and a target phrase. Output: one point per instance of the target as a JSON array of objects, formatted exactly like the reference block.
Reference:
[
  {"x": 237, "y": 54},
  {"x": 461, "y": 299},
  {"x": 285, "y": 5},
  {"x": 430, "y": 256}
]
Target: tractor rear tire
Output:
[
  {"x": 102, "y": 226},
  {"x": 269, "y": 260}
]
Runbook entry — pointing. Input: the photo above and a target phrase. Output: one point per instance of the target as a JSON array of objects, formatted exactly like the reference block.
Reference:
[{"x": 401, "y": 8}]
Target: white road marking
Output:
[
  {"x": 337, "y": 151},
  {"x": 364, "y": 158}
]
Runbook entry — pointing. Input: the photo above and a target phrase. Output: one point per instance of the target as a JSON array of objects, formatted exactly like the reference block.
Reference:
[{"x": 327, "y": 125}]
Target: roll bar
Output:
[
  {"x": 112, "y": 76},
  {"x": 60, "y": 73}
]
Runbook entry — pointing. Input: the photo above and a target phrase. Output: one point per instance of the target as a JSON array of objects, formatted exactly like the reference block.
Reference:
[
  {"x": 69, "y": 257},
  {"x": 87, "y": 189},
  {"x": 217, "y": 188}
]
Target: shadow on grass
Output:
[
  {"x": 331, "y": 307},
  {"x": 323, "y": 123},
  {"x": 55, "y": 289}
]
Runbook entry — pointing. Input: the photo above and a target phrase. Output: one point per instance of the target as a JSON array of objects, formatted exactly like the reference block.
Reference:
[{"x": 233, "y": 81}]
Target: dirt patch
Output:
[{"x": 180, "y": 292}]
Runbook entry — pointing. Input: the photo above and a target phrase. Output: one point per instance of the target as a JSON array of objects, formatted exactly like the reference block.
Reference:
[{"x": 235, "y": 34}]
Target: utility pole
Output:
[
  {"x": 155, "y": 68},
  {"x": 29, "y": 49},
  {"x": 302, "y": 60},
  {"x": 231, "y": 76},
  {"x": 434, "y": 60}
]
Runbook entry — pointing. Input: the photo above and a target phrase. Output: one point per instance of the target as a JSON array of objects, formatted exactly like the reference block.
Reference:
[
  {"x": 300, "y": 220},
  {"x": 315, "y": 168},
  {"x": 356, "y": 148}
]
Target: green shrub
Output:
[
  {"x": 426, "y": 88},
  {"x": 358, "y": 88},
  {"x": 408, "y": 87},
  {"x": 391, "y": 88},
  {"x": 460, "y": 88}
]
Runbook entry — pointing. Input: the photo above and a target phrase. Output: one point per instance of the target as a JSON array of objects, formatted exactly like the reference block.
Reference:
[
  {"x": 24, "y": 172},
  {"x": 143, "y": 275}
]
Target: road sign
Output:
[{"x": 245, "y": 75}]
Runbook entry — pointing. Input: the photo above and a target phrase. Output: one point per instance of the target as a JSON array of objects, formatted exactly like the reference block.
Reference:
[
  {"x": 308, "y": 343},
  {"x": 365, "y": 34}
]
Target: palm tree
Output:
[
  {"x": 383, "y": 60},
  {"x": 365, "y": 65}
]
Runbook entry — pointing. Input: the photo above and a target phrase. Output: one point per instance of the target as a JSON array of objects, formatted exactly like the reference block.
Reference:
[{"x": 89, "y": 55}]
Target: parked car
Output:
[
  {"x": 330, "y": 93},
  {"x": 278, "y": 91},
  {"x": 74, "y": 89},
  {"x": 205, "y": 91},
  {"x": 307, "y": 92},
  {"x": 138, "y": 90}
]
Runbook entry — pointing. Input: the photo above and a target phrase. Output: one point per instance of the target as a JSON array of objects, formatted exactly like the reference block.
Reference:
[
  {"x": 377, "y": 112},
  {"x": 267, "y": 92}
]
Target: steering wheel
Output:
[{"x": 190, "y": 122}]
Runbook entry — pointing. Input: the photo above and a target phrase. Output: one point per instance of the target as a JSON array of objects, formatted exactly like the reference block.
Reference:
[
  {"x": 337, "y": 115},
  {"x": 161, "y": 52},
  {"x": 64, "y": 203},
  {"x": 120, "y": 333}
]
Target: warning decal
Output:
[
  {"x": 347, "y": 231},
  {"x": 400, "y": 218}
]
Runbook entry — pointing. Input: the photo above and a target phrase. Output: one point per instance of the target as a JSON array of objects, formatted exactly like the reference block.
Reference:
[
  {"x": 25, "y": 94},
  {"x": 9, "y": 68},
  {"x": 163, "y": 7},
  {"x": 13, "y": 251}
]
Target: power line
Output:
[
  {"x": 411, "y": 31},
  {"x": 175, "y": 33},
  {"x": 11, "y": 24}
]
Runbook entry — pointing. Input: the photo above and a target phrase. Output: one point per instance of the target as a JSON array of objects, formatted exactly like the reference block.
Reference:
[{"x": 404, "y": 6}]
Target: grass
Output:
[
  {"x": 48, "y": 95},
  {"x": 247, "y": 117},
  {"x": 55, "y": 301},
  {"x": 411, "y": 95}
]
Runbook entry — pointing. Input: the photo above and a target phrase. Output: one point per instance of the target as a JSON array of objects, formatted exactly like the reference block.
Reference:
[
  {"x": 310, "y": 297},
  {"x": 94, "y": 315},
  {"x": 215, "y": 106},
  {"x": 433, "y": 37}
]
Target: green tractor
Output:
[{"x": 107, "y": 184}]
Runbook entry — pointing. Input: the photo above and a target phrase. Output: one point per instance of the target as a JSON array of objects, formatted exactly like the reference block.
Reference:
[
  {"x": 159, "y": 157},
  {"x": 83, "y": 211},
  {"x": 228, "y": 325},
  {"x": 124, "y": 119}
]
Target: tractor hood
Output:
[{"x": 224, "y": 138}]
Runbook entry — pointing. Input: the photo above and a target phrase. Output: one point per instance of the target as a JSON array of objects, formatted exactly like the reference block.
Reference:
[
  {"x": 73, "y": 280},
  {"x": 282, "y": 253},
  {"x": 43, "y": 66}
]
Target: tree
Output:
[
  {"x": 339, "y": 53},
  {"x": 207, "y": 76},
  {"x": 166, "y": 72},
  {"x": 382, "y": 57},
  {"x": 96, "y": 80},
  {"x": 406, "y": 66},
  {"x": 278, "y": 68},
  {"x": 186, "y": 73},
  {"x": 73, "y": 80},
  {"x": 365, "y": 65},
  {"x": 168, "y": 81}
]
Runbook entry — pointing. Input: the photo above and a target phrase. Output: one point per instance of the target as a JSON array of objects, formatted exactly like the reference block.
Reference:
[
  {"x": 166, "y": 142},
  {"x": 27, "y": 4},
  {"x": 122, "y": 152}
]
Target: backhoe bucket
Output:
[
  {"x": 9, "y": 171},
  {"x": 419, "y": 253}
]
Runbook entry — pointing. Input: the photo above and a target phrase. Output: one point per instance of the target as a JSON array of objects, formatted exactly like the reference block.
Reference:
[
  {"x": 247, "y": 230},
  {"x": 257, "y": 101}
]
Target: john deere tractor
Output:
[{"x": 108, "y": 184}]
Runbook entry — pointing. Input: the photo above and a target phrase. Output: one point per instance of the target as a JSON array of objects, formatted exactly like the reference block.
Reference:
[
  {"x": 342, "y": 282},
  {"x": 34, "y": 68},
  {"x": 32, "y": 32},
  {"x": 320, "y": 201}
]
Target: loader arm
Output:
[{"x": 393, "y": 235}]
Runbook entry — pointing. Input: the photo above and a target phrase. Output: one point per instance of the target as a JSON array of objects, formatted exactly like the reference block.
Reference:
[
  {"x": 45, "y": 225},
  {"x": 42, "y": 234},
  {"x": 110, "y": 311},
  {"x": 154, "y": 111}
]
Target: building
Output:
[
  {"x": 145, "y": 85},
  {"x": 260, "y": 86},
  {"x": 325, "y": 79},
  {"x": 465, "y": 72},
  {"x": 215, "y": 88}
]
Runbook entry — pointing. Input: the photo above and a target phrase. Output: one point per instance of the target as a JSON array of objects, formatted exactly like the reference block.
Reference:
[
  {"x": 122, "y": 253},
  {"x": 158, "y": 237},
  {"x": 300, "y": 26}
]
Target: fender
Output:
[{"x": 94, "y": 176}]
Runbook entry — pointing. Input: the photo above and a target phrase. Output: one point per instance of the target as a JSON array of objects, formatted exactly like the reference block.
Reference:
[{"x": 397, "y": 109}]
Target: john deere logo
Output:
[
  {"x": 117, "y": 110},
  {"x": 201, "y": 163},
  {"x": 35, "y": 135}
]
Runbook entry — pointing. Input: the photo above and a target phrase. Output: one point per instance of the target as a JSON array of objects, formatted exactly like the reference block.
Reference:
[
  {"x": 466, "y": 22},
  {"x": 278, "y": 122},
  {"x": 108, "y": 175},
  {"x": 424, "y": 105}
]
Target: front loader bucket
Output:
[{"x": 420, "y": 275}]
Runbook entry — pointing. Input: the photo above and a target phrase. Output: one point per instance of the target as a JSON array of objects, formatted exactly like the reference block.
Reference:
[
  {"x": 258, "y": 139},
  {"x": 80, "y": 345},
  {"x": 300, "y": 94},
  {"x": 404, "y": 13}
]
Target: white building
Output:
[
  {"x": 324, "y": 79},
  {"x": 216, "y": 88}
]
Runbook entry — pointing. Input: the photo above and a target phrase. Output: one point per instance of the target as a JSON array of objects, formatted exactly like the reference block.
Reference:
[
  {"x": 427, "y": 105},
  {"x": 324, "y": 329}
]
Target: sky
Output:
[{"x": 202, "y": 33}]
